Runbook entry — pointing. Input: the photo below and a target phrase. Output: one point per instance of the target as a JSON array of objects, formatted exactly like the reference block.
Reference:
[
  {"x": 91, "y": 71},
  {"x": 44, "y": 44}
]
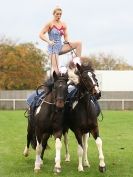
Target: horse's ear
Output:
[
  {"x": 54, "y": 75},
  {"x": 79, "y": 68}
]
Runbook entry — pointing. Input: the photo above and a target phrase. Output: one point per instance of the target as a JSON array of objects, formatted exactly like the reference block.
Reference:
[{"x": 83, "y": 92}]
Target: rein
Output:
[
  {"x": 72, "y": 51},
  {"x": 44, "y": 101}
]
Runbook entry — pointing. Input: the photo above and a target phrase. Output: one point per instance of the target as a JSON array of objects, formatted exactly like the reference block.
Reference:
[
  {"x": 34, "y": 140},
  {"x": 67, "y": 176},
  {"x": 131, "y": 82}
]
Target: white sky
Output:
[{"x": 102, "y": 25}]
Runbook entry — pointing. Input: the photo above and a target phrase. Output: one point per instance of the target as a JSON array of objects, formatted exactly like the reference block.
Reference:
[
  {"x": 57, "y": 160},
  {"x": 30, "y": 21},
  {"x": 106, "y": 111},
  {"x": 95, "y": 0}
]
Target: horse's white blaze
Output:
[
  {"x": 90, "y": 75},
  {"x": 58, "y": 146},
  {"x": 38, "y": 161},
  {"x": 80, "y": 155},
  {"x": 96, "y": 87},
  {"x": 74, "y": 104},
  {"x": 101, "y": 157}
]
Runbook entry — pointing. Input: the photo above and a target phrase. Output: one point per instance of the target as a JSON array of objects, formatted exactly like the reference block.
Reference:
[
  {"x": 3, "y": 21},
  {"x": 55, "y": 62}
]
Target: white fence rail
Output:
[
  {"x": 14, "y": 102},
  {"x": 122, "y": 102},
  {"x": 119, "y": 104}
]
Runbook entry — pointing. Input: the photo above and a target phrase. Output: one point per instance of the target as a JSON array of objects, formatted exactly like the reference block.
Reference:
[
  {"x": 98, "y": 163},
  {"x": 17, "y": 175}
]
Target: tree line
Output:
[
  {"x": 104, "y": 61},
  {"x": 23, "y": 66}
]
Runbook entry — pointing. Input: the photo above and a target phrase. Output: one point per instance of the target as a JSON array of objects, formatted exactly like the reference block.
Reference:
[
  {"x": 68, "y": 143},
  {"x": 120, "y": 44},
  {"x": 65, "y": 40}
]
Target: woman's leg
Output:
[
  {"x": 72, "y": 45},
  {"x": 54, "y": 63}
]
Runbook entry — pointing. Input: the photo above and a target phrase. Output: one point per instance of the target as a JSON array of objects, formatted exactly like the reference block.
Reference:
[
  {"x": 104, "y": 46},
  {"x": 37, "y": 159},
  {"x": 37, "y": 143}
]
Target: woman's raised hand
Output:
[{"x": 51, "y": 43}]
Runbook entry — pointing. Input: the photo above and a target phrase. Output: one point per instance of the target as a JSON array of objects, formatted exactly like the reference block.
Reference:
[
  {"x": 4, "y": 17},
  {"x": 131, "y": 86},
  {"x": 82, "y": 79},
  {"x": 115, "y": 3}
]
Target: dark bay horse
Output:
[
  {"x": 82, "y": 117},
  {"x": 49, "y": 120}
]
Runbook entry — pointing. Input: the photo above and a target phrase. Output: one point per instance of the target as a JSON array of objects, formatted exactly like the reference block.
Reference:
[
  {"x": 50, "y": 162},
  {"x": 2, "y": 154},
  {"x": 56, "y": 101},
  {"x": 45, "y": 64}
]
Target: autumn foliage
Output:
[{"x": 21, "y": 66}]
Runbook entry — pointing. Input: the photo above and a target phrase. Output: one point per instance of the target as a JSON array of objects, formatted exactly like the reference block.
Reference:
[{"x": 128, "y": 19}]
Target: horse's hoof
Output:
[
  {"x": 67, "y": 158},
  {"x": 26, "y": 152},
  {"x": 57, "y": 170},
  {"x": 80, "y": 169},
  {"x": 36, "y": 170},
  {"x": 86, "y": 164},
  {"x": 41, "y": 162},
  {"x": 102, "y": 169},
  {"x": 37, "y": 167}
]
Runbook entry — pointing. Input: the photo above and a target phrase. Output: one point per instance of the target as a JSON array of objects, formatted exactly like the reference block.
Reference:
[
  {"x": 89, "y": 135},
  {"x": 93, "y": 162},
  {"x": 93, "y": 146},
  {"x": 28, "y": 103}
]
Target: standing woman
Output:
[{"x": 56, "y": 29}]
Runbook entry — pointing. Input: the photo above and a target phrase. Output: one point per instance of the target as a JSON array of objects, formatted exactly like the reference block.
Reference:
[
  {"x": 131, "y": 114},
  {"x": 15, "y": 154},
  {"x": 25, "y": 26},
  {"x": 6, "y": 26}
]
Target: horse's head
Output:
[
  {"x": 60, "y": 89},
  {"x": 88, "y": 78}
]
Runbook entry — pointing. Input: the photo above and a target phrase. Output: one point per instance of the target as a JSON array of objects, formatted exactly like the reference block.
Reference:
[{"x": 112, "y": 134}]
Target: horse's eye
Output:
[{"x": 85, "y": 76}]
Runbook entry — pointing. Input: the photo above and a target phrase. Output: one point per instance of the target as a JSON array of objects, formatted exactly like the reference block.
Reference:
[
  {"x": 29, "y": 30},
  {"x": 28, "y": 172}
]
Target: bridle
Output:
[
  {"x": 84, "y": 80},
  {"x": 61, "y": 79}
]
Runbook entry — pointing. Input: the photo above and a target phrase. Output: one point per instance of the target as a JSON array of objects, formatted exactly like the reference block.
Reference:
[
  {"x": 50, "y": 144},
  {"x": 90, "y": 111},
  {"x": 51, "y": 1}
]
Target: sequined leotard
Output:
[{"x": 55, "y": 35}]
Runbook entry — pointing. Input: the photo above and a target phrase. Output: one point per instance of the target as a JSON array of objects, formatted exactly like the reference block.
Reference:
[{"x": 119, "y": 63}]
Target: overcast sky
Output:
[{"x": 102, "y": 25}]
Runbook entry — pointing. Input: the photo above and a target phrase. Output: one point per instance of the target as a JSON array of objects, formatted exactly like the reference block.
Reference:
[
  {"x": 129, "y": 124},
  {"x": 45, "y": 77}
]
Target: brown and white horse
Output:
[{"x": 82, "y": 117}]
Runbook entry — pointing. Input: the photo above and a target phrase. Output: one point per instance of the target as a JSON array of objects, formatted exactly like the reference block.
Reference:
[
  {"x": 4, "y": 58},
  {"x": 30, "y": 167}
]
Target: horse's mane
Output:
[{"x": 87, "y": 65}]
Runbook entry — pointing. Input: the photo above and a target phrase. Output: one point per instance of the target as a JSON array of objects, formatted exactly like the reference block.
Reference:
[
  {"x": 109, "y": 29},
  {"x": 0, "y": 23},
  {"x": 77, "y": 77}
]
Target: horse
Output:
[
  {"x": 81, "y": 117},
  {"x": 49, "y": 120}
]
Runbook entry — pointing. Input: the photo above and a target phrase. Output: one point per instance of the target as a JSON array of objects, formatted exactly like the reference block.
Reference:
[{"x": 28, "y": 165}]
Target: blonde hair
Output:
[{"x": 57, "y": 9}]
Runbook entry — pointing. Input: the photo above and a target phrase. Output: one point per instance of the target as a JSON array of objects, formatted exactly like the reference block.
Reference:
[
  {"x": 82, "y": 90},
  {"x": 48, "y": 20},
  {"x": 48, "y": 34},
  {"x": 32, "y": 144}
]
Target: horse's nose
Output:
[{"x": 60, "y": 103}]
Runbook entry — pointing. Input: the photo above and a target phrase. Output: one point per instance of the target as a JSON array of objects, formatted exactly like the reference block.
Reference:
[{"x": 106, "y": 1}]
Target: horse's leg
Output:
[
  {"x": 58, "y": 146},
  {"x": 26, "y": 149},
  {"x": 67, "y": 156},
  {"x": 29, "y": 136},
  {"x": 85, "y": 150},
  {"x": 44, "y": 144},
  {"x": 38, "y": 161},
  {"x": 98, "y": 140},
  {"x": 78, "y": 136}
]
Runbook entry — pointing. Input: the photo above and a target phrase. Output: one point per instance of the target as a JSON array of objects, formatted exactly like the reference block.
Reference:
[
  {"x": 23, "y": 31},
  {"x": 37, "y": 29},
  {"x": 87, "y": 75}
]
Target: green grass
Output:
[{"x": 116, "y": 131}]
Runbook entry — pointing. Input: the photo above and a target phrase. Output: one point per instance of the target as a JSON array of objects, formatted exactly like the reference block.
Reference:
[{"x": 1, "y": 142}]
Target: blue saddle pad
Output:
[{"x": 34, "y": 100}]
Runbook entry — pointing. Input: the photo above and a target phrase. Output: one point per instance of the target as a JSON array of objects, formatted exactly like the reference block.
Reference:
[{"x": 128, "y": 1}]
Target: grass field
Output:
[{"x": 116, "y": 131}]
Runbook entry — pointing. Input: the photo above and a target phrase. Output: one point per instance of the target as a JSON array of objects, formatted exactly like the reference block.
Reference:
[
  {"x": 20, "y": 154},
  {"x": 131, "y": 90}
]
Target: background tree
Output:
[
  {"x": 21, "y": 66},
  {"x": 104, "y": 61}
]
